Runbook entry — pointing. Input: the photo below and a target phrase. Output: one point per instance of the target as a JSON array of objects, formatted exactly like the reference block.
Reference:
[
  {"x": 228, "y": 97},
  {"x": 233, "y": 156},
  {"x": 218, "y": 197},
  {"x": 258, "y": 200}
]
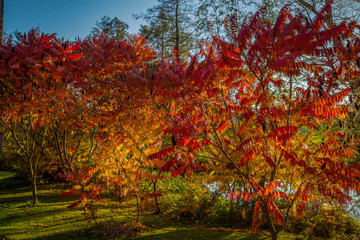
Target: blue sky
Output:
[{"x": 70, "y": 18}]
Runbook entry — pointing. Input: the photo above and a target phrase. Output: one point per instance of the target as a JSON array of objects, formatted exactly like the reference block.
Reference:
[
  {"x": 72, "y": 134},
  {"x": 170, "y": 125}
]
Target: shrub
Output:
[
  {"x": 112, "y": 229},
  {"x": 189, "y": 199},
  {"x": 327, "y": 224}
]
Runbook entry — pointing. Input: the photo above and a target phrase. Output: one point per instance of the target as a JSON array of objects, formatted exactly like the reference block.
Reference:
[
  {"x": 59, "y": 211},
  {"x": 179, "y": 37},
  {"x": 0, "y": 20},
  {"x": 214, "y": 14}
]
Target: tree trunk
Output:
[
  {"x": 34, "y": 189},
  {"x": 266, "y": 211},
  {"x": 1, "y": 19},
  {"x": 157, "y": 207},
  {"x": 1, "y": 141},
  {"x": 177, "y": 35},
  {"x": 32, "y": 168},
  {"x": 273, "y": 235},
  {"x": 32, "y": 156},
  {"x": 137, "y": 208}
]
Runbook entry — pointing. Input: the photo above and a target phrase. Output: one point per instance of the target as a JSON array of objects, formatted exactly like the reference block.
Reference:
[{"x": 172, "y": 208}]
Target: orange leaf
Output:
[
  {"x": 150, "y": 195},
  {"x": 74, "y": 56}
]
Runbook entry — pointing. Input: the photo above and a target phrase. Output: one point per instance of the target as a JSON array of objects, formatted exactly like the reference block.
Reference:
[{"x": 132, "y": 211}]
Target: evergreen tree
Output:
[{"x": 112, "y": 27}]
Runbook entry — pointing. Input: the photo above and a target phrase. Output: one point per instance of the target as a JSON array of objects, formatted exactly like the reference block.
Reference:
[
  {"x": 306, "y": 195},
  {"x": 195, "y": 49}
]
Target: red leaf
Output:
[
  {"x": 256, "y": 217},
  {"x": 168, "y": 165},
  {"x": 162, "y": 154},
  {"x": 74, "y": 56},
  {"x": 75, "y": 204},
  {"x": 269, "y": 188},
  {"x": 255, "y": 184},
  {"x": 73, "y": 48},
  {"x": 249, "y": 156},
  {"x": 36, "y": 122},
  {"x": 298, "y": 193},
  {"x": 46, "y": 38},
  {"x": 178, "y": 171},
  {"x": 14, "y": 66},
  {"x": 270, "y": 161},
  {"x": 246, "y": 196},
  {"x": 284, "y": 130},
  {"x": 185, "y": 141},
  {"x": 68, "y": 194},
  {"x": 223, "y": 127},
  {"x": 275, "y": 210}
]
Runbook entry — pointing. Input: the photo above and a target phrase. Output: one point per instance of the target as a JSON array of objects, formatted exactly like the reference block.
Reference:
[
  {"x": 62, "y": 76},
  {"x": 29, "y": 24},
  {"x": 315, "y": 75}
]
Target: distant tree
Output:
[
  {"x": 341, "y": 9},
  {"x": 170, "y": 25},
  {"x": 210, "y": 14},
  {"x": 112, "y": 27},
  {"x": 157, "y": 33}
]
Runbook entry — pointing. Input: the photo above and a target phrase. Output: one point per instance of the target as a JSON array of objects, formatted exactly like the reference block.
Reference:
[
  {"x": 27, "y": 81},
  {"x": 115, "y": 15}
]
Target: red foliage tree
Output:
[
  {"x": 37, "y": 73},
  {"x": 120, "y": 103},
  {"x": 259, "y": 109}
]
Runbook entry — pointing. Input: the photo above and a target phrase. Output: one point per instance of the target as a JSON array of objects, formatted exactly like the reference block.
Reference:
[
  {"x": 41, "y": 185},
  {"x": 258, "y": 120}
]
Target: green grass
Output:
[{"x": 52, "y": 220}]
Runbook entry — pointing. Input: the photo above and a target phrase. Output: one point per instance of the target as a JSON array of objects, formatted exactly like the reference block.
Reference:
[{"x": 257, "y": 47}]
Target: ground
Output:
[{"x": 51, "y": 219}]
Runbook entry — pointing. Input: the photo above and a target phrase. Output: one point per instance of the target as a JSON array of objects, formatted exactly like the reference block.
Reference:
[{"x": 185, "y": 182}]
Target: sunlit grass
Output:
[{"x": 51, "y": 219}]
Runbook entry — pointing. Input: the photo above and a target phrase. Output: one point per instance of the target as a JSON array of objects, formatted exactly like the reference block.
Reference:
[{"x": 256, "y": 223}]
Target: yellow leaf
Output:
[{"x": 243, "y": 214}]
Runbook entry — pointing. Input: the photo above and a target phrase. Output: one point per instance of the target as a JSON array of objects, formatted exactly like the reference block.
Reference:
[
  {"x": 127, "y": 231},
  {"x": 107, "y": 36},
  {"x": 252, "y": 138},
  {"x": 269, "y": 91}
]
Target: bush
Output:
[
  {"x": 188, "y": 199},
  {"x": 327, "y": 224}
]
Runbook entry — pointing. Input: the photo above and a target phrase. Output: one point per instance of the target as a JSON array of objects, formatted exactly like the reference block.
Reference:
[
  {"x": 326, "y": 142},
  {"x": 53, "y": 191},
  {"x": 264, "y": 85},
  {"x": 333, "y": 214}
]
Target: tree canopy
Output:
[{"x": 267, "y": 113}]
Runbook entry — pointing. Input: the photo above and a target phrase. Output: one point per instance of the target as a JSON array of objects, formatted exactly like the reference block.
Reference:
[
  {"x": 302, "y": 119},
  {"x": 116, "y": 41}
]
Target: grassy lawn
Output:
[{"x": 52, "y": 220}]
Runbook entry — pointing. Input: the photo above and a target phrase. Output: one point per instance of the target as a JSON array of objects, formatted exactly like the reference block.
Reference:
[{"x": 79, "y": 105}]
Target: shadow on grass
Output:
[
  {"x": 24, "y": 195},
  {"x": 65, "y": 235},
  {"x": 160, "y": 234},
  {"x": 199, "y": 234},
  {"x": 52, "y": 220},
  {"x": 9, "y": 181},
  {"x": 183, "y": 234},
  {"x": 16, "y": 190},
  {"x": 32, "y": 214}
]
